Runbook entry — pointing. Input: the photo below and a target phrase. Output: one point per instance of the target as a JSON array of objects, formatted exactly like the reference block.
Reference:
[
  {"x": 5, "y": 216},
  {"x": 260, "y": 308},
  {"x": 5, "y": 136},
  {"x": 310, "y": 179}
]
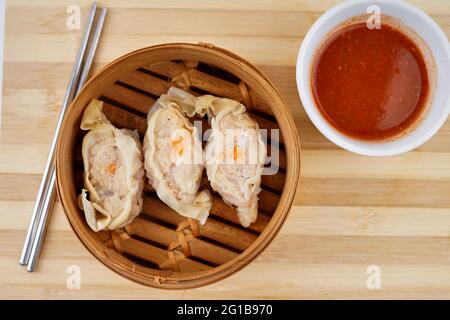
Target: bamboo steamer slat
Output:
[{"x": 161, "y": 248}]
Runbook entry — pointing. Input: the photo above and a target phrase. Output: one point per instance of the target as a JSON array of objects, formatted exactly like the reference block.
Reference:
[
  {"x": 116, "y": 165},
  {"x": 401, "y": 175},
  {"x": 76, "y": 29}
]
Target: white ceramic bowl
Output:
[{"x": 413, "y": 18}]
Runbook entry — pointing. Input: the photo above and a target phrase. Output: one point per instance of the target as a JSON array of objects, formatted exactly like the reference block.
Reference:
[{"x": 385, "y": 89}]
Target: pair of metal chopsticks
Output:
[{"x": 46, "y": 194}]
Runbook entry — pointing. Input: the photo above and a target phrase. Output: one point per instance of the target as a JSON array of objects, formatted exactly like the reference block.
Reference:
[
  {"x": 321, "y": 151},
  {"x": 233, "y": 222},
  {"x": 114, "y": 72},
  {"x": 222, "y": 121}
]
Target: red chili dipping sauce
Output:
[{"x": 370, "y": 84}]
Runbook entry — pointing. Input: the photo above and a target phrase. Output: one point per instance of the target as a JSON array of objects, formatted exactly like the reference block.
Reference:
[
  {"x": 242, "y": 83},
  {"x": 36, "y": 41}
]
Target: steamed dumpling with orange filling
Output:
[
  {"x": 113, "y": 172},
  {"x": 234, "y": 155},
  {"x": 173, "y": 156}
]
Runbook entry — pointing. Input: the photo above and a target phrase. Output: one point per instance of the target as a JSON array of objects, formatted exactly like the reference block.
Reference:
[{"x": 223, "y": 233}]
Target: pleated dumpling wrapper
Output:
[
  {"x": 113, "y": 172},
  {"x": 173, "y": 155},
  {"x": 234, "y": 155}
]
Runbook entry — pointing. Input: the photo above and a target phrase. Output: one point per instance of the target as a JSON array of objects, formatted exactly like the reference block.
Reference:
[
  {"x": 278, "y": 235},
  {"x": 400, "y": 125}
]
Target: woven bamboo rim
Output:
[{"x": 161, "y": 248}]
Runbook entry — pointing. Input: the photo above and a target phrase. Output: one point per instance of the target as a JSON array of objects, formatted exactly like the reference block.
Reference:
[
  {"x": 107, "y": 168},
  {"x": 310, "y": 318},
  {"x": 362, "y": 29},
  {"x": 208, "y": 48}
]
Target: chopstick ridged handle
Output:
[
  {"x": 50, "y": 164},
  {"x": 49, "y": 197}
]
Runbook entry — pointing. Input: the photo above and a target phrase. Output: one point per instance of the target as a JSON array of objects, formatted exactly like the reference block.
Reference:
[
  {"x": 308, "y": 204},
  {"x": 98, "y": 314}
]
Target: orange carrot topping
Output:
[
  {"x": 178, "y": 146},
  {"x": 112, "y": 168}
]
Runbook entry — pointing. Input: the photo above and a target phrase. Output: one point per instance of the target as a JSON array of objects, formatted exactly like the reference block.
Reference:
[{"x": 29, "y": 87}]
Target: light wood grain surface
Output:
[{"x": 350, "y": 211}]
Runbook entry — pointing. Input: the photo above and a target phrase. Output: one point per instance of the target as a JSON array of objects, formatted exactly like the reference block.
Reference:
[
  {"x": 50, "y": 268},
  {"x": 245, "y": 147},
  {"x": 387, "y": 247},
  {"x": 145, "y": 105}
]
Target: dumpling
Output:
[
  {"x": 173, "y": 155},
  {"x": 234, "y": 155},
  {"x": 113, "y": 172}
]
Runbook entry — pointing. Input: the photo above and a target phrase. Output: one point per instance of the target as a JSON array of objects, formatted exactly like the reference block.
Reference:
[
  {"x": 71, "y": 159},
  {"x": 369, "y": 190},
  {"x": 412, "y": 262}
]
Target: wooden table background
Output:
[{"x": 350, "y": 211}]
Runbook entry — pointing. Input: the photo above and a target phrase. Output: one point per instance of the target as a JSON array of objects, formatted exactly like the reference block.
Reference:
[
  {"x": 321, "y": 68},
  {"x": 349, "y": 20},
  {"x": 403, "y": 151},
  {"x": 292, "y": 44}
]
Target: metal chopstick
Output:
[
  {"x": 49, "y": 197},
  {"x": 42, "y": 223},
  {"x": 92, "y": 49},
  {"x": 46, "y": 177}
]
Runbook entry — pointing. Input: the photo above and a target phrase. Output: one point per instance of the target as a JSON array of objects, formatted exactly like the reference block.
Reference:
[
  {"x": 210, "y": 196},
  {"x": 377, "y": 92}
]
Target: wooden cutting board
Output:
[{"x": 350, "y": 213}]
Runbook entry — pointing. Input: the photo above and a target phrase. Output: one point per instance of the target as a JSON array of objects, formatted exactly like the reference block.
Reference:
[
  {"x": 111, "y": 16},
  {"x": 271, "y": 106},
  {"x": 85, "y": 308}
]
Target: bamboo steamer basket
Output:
[{"x": 161, "y": 248}]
